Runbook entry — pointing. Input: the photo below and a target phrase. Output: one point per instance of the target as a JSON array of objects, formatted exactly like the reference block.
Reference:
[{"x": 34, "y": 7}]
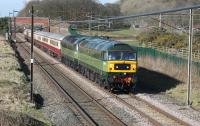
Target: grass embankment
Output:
[
  {"x": 14, "y": 89},
  {"x": 168, "y": 76},
  {"x": 163, "y": 76}
]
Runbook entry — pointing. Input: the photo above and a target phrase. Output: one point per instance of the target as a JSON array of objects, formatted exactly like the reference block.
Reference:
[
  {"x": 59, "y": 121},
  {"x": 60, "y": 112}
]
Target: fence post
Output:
[{"x": 190, "y": 58}]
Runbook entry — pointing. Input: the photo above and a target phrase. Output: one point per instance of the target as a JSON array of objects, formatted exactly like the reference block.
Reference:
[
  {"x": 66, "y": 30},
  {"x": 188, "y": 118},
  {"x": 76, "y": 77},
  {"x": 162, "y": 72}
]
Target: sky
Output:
[{"x": 7, "y": 6}]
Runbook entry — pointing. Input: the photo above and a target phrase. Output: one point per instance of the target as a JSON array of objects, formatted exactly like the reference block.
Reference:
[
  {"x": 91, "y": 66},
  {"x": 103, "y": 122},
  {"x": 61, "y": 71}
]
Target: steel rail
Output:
[
  {"x": 153, "y": 121},
  {"x": 162, "y": 111},
  {"x": 76, "y": 105}
]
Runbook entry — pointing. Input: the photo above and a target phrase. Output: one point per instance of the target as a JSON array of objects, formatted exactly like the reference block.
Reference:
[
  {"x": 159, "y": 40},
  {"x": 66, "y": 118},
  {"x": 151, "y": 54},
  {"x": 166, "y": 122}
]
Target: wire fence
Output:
[
  {"x": 168, "y": 54},
  {"x": 182, "y": 52}
]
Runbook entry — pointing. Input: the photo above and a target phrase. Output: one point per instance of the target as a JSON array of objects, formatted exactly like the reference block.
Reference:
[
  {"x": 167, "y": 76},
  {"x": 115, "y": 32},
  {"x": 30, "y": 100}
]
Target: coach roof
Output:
[{"x": 51, "y": 35}]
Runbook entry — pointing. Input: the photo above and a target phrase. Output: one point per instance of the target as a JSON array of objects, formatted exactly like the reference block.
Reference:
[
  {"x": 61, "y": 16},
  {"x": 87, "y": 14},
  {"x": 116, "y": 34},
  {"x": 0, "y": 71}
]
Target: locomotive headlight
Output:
[
  {"x": 129, "y": 79},
  {"x": 111, "y": 67},
  {"x": 124, "y": 73}
]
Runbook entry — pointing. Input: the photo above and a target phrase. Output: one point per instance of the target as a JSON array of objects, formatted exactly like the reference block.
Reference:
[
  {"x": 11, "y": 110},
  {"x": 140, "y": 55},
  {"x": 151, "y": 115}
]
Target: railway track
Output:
[
  {"x": 154, "y": 114},
  {"x": 90, "y": 109}
]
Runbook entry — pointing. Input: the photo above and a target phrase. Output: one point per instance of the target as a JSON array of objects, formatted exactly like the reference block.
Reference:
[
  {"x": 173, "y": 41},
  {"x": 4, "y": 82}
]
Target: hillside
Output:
[
  {"x": 70, "y": 9},
  {"x": 139, "y": 6}
]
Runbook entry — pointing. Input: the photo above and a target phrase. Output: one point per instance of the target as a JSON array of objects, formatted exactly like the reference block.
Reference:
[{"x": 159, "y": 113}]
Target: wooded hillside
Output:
[
  {"x": 140, "y": 6},
  {"x": 71, "y": 9}
]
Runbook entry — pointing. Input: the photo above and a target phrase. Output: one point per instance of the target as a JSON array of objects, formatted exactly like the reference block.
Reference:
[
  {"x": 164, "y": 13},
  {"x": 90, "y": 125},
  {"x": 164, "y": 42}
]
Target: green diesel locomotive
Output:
[{"x": 110, "y": 63}]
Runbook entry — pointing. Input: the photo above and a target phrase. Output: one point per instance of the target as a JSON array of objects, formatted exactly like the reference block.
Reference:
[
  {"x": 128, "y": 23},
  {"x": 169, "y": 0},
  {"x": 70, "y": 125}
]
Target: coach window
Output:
[
  {"x": 45, "y": 39},
  {"x": 52, "y": 42},
  {"x": 39, "y": 38},
  {"x": 35, "y": 36}
]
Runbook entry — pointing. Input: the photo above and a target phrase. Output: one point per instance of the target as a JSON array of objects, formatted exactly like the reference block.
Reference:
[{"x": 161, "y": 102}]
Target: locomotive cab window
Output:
[
  {"x": 121, "y": 55},
  {"x": 105, "y": 55}
]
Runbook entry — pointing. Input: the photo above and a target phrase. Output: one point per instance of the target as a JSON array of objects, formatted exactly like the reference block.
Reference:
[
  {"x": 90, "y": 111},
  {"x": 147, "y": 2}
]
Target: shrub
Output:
[{"x": 161, "y": 37}]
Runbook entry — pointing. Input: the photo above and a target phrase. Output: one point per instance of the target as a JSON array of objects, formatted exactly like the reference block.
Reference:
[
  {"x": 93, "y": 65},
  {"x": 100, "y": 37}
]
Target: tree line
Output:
[
  {"x": 3, "y": 25},
  {"x": 70, "y": 9}
]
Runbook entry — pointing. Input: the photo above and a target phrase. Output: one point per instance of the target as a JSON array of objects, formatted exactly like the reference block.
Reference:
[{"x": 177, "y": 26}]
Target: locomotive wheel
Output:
[
  {"x": 92, "y": 76},
  {"x": 59, "y": 58},
  {"x": 107, "y": 85},
  {"x": 96, "y": 78},
  {"x": 101, "y": 82},
  {"x": 79, "y": 68},
  {"x": 86, "y": 73},
  {"x": 120, "y": 86},
  {"x": 82, "y": 71}
]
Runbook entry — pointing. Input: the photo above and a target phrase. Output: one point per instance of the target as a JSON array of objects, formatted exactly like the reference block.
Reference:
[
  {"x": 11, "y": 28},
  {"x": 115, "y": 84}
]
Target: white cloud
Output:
[
  {"x": 112, "y": 1},
  {"x": 108, "y": 1}
]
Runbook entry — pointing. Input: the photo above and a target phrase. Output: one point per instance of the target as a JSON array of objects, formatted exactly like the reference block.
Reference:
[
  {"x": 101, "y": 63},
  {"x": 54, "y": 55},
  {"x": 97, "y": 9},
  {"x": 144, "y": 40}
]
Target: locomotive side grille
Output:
[{"x": 122, "y": 67}]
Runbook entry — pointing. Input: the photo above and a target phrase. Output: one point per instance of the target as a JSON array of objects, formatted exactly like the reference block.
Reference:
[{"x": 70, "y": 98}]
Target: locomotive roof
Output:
[
  {"x": 102, "y": 44},
  {"x": 96, "y": 43}
]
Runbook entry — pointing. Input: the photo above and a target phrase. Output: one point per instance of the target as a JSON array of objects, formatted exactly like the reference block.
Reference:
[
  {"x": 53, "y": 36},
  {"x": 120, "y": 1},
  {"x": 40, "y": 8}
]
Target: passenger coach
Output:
[{"x": 47, "y": 41}]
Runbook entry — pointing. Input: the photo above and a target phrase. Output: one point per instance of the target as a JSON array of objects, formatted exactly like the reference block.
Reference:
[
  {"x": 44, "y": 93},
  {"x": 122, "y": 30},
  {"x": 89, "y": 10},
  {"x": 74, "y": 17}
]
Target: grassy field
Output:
[
  {"x": 124, "y": 33},
  {"x": 126, "y": 36},
  {"x": 14, "y": 89},
  {"x": 180, "y": 93},
  {"x": 131, "y": 42}
]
